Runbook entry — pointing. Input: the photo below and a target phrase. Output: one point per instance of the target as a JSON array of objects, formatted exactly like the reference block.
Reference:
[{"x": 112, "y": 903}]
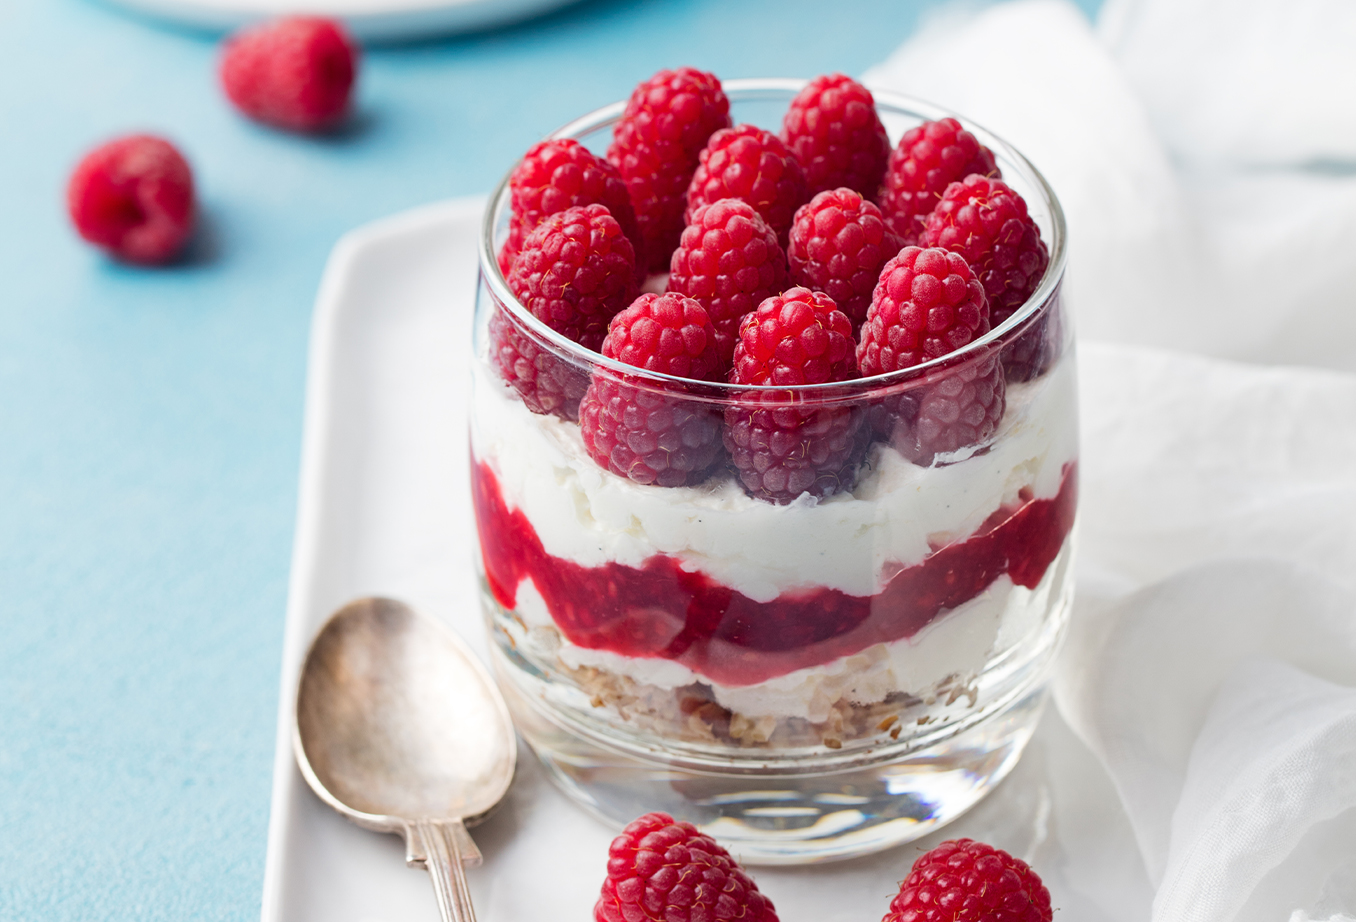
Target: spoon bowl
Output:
[{"x": 400, "y": 729}]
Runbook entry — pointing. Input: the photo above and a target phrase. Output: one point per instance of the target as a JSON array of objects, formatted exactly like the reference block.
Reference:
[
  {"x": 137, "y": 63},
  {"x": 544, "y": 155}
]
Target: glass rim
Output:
[{"x": 752, "y": 88}]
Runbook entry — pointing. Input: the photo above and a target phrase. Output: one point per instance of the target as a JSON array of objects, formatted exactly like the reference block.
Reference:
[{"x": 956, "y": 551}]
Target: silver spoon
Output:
[{"x": 400, "y": 729}]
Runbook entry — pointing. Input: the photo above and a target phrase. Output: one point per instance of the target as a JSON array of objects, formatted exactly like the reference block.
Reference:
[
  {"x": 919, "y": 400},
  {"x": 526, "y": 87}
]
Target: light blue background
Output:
[{"x": 150, "y": 421}]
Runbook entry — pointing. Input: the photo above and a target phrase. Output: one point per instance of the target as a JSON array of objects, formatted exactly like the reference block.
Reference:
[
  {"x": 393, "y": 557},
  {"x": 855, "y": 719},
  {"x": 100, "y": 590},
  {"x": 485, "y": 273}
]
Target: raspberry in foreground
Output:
[
  {"x": 659, "y": 870},
  {"x": 633, "y": 427},
  {"x": 783, "y": 444},
  {"x": 987, "y": 222},
  {"x": 833, "y": 130},
  {"x": 296, "y": 72},
  {"x": 133, "y": 197},
  {"x": 967, "y": 881},
  {"x": 926, "y": 305},
  {"x": 748, "y": 163},
  {"x": 667, "y": 122},
  {"x": 838, "y": 244},
  {"x": 729, "y": 261},
  {"x": 928, "y": 159},
  {"x": 558, "y": 174},
  {"x": 575, "y": 272}
]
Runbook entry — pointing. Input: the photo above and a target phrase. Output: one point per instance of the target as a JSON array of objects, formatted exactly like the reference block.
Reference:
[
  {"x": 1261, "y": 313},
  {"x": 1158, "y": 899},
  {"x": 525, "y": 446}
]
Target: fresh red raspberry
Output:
[
  {"x": 296, "y": 72},
  {"x": 547, "y": 384},
  {"x": 746, "y": 162},
  {"x": 659, "y": 870},
  {"x": 667, "y": 122},
  {"x": 729, "y": 261},
  {"x": 985, "y": 221},
  {"x": 783, "y": 444},
  {"x": 630, "y": 426},
  {"x": 834, "y": 131},
  {"x": 575, "y": 272},
  {"x": 927, "y": 305},
  {"x": 558, "y": 174},
  {"x": 967, "y": 881},
  {"x": 839, "y": 242},
  {"x": 927, "y": 159},
  {"x": 133, "y": 197}
]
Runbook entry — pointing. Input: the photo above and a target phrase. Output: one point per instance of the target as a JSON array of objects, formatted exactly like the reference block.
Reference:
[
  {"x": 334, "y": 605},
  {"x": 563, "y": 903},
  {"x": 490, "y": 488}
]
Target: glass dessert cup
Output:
[{"x": 807, "y": 681}]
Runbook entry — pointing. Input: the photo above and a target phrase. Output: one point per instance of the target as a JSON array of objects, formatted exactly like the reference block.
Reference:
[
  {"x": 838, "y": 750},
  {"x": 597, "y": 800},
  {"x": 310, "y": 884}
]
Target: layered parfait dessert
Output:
[{"x": 774, "y": 434}]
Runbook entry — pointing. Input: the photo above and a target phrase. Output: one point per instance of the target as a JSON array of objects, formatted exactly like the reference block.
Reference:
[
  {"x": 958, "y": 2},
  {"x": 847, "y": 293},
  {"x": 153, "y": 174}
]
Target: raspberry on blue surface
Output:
[
  {"x": 134, "y": 198},
  {"x": 296, "y": 72}
]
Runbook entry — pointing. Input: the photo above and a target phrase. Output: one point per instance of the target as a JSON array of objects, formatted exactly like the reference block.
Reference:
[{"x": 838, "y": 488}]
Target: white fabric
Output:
[{"x": 1205, "y": 153}]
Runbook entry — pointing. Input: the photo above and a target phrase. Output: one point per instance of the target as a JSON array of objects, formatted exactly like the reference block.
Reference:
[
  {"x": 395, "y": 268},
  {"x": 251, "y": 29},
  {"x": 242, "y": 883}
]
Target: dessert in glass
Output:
[{"x": 802, "y": 583}]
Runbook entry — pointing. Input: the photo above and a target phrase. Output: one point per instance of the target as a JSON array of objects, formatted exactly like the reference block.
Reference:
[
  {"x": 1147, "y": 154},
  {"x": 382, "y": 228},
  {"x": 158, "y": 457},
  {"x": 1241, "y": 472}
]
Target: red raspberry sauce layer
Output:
[{"x": 660, "y": 610}]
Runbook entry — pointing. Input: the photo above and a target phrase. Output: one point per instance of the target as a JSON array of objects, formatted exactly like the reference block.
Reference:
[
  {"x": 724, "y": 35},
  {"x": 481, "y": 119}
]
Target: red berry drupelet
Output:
[
  {"x": 655, "y": 146},
  {"x": 633, "y": 428},
  {"x": 987, "y": 222},
  {"x": 967, "y": 881},
  {"x": 928, "y": 159},
  {"x": 839, "y": 242},
  {"x": 782, "y": 444},
  {"x": 134, "y": 198},
  {"x": 659, "y": 870},
  {"x": 834, "y": 131},
  {"x": 729, "y": 261},
  {"x": 558, "y": 174},
  {"x": 748, "y": 163},
  {"x": 927, "y": 305},
  {"x": 296, "y": 72},
  {"x": 575, "y": 272}
]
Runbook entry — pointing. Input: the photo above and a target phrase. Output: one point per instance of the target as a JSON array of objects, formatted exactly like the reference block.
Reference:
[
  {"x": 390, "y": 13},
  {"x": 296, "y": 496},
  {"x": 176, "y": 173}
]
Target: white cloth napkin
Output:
[{"x": 1205, "y": 153}]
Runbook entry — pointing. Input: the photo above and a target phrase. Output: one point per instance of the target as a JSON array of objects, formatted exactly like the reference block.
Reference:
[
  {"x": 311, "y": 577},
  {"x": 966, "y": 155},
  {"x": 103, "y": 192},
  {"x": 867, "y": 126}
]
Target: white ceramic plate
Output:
[
  {"x": 385, "y": 509},
  {"x": 369, "y": 20}
]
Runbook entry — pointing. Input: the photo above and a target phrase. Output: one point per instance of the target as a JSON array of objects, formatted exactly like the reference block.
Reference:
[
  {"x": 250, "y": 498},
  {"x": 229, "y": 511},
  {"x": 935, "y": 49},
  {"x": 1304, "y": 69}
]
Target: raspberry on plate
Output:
[
  {"x": 634, "y": 428},
  {"x": 575, "y": 272},
  {"x": 133, "y": 197},
  {"x": 667, "y": 122},
  {"x": 834, "y": 131},
  {"x": 927, "y": 159},
  {"x": 748, "y": 163},
  {"x": 729, "y": 260},
  {"x": 928, "y": 304},
  {"x": 296, "y": 72},
  {"x": 546, "y": 384},
  {"x": 839, "y": 242},
  {"x": 558, "y": 174},
  {"x": 781, "y": 447},
  {"x": 987, "y": 222},
  {"x": 962, "y": 880},
  {"x": 659, "y": 870}
]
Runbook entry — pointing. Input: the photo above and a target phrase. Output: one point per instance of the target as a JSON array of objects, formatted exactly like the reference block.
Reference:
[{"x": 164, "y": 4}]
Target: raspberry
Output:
[
  {"x": 576, "y": 270},
  {"x": 967, "y": 881},
  {"x": 928, "y": 159},
  {"x": 782, "y": 443},
  {"x": 667, "y": 122},
  {"x": 927, "y": 305},
  {"x": 746, "y": 162},
  {"x": 729, "y": 261},
  {"x": 985, "y": 221},
  {"x": 659, "y": 870},
  {"x": 133, "y": 197},
  {"x": 834, "y": 131},
  {"x": 559, "y": 174},
  {"x": 628, "y": 425},
  {"x": 547, "y": 384},
  {"x": 839, "y": 242},
  {"x": 295, "y": 72}
]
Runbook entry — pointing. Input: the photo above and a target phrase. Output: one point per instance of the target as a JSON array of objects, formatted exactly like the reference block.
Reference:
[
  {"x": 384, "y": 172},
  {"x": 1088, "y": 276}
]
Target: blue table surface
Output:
[{"x": 151, "y": 420}]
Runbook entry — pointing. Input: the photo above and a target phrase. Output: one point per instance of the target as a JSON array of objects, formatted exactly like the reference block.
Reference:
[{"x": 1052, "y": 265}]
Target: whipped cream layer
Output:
[{"x": 898, "y": 514}]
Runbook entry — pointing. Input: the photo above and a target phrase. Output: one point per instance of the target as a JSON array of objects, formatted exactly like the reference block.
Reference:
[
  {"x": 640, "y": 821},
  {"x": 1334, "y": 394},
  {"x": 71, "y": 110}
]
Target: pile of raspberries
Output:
[
  {"x": 812, "y": 257},
  {"x": 659, "y": 870}
]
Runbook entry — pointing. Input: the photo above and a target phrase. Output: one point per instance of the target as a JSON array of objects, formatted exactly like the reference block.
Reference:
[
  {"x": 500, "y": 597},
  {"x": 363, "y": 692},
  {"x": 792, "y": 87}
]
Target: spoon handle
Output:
[{"x": 444, "y": 859}]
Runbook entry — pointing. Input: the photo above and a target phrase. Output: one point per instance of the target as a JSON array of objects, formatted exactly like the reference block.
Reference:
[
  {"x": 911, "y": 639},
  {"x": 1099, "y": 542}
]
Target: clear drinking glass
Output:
[{"x": 806, "y": 681}]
